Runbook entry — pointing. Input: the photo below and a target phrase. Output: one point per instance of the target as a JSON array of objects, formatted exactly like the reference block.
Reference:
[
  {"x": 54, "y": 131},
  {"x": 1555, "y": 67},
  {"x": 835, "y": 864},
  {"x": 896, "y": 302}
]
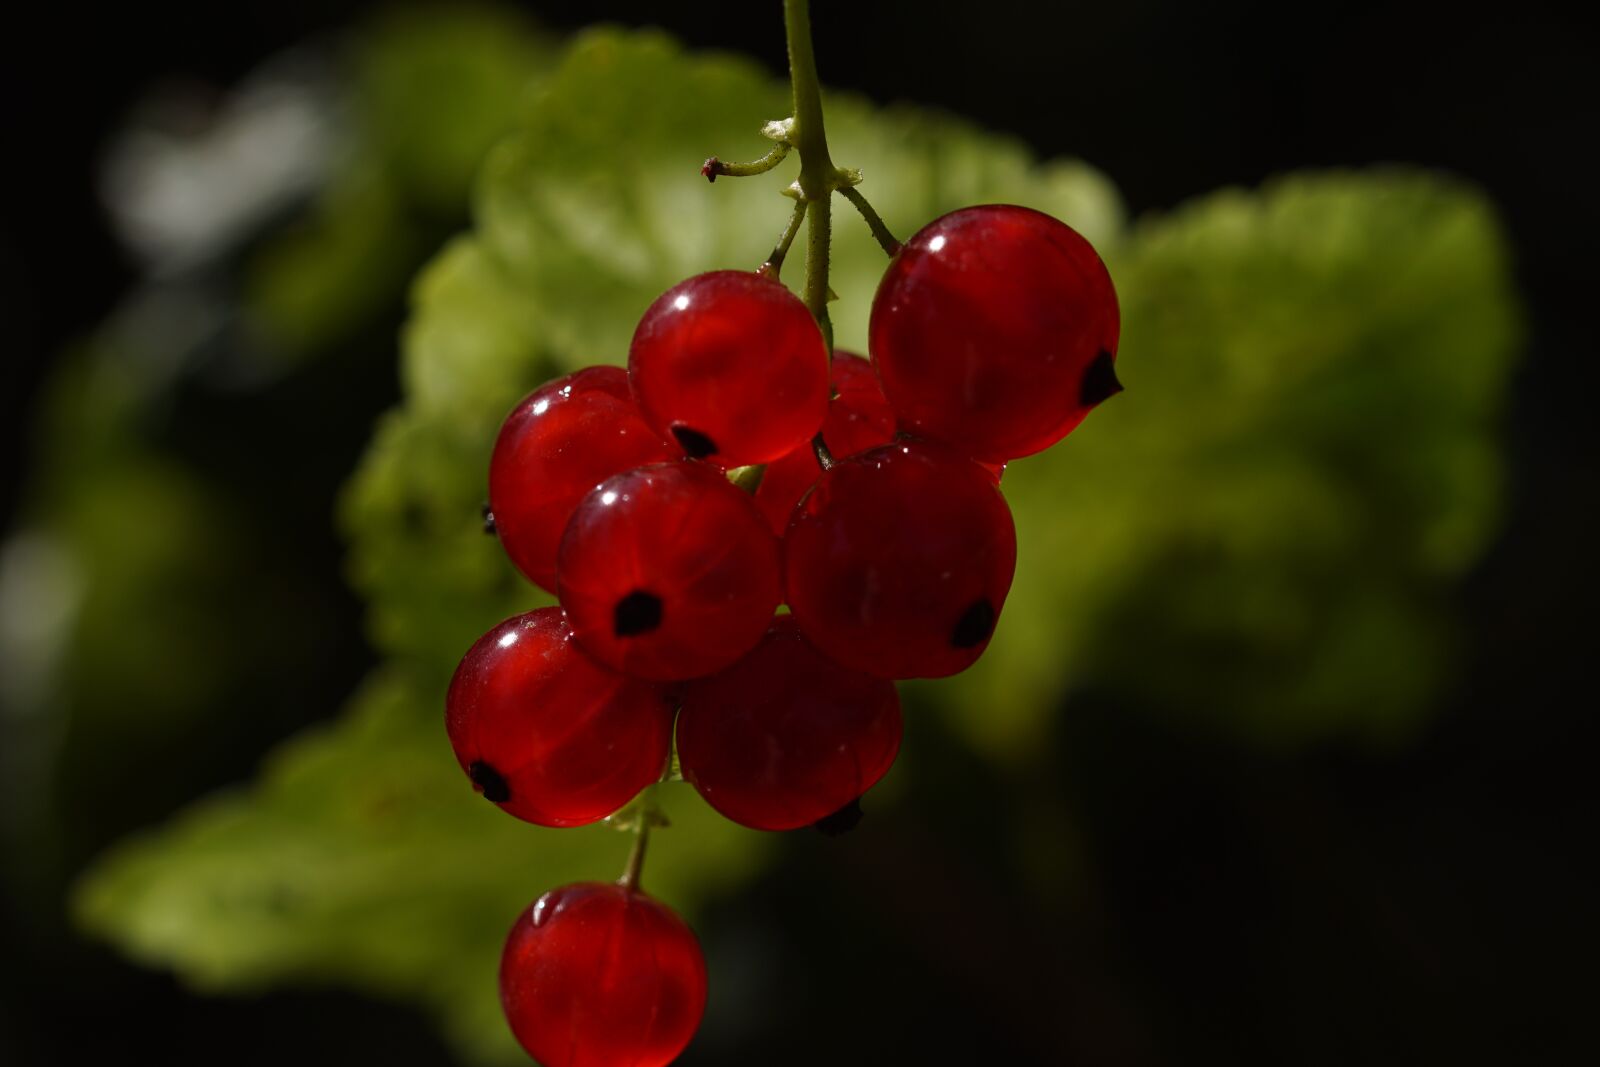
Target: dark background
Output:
[{"x": 1334, "y": 908}]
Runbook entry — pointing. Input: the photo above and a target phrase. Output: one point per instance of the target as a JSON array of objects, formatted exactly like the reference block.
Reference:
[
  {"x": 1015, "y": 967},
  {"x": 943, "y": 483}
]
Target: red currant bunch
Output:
[{"x": 737, "y": 466}]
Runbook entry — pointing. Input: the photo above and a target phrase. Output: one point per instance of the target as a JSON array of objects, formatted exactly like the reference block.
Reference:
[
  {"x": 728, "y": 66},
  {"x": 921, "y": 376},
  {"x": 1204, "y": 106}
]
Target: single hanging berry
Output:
[
  {"x": 898, "y": 561},
  {"x": 547, "y": 733},
  {"x": 565, "y": 438},
  {"x": 858, "y": 418},
  {"x": 668, "y": 572},
  {"x": 995, "y": 331},
  {"x": 600, "y": 975},
  {"x": 786, "y": 737},
  {"x": 732, "y": 366}
]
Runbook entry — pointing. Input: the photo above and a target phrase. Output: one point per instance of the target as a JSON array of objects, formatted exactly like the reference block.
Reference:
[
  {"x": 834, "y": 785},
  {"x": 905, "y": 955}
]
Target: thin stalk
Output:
[
  {"x": 635, "y": 867},
  {"x": 774, "y": 264},
  {"x": 880, "y": 232},
  {"x": 819, "y": 448},
  {"x": 819, "y": 233},
  {"x": 818, "y": 175},
  {"x": 714, "y": 167}
]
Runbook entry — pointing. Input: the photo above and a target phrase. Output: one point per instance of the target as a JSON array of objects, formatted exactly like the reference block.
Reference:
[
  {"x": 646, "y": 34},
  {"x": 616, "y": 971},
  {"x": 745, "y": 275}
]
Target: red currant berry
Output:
[
  {"x": 599, "y": 975},
  {"x": 994, "y": 330},
  {"x": 899, "y": 560},
  {"x": 732, "y": 366},
  {"x": 564, "y": 439},
  {"x": 858, "y": 418},
  {"x": 786, "y": 737},
  {"x": 548, "y": 734},
  {"x": 668, "y": 572}
]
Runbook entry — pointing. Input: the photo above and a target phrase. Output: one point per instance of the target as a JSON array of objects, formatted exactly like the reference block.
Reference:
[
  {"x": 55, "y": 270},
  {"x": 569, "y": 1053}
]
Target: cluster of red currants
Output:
[{"x": 736, "y": 466}]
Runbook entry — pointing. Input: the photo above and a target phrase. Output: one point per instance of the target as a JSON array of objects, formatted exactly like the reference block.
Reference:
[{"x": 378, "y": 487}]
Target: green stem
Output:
[
  {"x": 635, "y": 867},
  {"x": 774, "y": 264},
  {"x": 818, "y": 175},
  {"x": 819, "y": 233},
  {"x": 714, "y": 167},
  {"x": 880, "y": 232}
]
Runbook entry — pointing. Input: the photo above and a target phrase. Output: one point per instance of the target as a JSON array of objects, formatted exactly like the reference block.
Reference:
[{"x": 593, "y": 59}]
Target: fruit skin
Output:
[
  {"x": 561, "y": 441},
  {"x": 858, "y": 418},
  {"x": 668, "y": 572},
  {"x": 994, "y": 330},
  {"x": 548, "y": 734},
  {"x": 898, "y": 561},
  {"x": 786, "y": 737},
  {"x": 599, "y": 975},
  {"x": 732, "y": 366}
]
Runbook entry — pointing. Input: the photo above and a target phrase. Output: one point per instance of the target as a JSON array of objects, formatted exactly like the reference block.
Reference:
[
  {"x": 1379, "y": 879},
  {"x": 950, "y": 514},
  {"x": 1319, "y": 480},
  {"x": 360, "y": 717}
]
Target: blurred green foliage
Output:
[
  {"x": 428, "y": 93},
  {"x": 358, "y": 859},
  {"x": 1261, "y": 535},
  {"x": 155, "y": 542}
]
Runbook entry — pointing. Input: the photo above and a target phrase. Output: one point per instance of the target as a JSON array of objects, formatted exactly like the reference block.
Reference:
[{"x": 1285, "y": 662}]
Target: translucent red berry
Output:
[
  {"x": 858, "y": 418},
  {"x": 995, "y": 471},
  {"x": 564, "y": 439},
  {"x": 547, "y": 733},
  {"x": 995, "y": 330},
  {"x": 732, "y": 366},
  {"x": 898, "y": 561},
  {"x": 668, "y": 572},
  {"x": 786, "y": 737},
  {"x": 598, "y": 975}
]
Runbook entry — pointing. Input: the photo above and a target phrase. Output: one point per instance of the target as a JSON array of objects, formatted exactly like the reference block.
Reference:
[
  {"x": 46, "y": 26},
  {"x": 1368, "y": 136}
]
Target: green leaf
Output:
[
  {"x": 1262, "y": 532},
  {"x": 362, "y": 857},
  {"x": 594, "y": 207},
  {"x": 585, "y": 215}
]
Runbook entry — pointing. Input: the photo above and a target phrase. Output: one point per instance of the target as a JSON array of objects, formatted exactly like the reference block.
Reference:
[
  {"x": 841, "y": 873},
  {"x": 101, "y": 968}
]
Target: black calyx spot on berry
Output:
[
  {"x": 488, "y": 522},
  {"x": 1099, "y": 380},
  {"x": 974, "y": 626},
  {"x": 489, "y": 782},
  {"x": 842, "y": 821},
  {"x": 695, "y": 444},
  {"x": 637, "y": 613}
]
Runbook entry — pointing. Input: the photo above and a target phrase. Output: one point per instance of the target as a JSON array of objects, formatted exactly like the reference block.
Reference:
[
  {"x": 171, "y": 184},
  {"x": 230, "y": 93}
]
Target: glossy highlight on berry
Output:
[
  {"x": 786, "y": 737},
  {"x": 898, "y": 561},
  {"x": 548, "y": 734},
  {"x": 732, "y": 366},
  {"x": 668, "y": 572},
  {"x": 601, "y": 975},
  {"x": 995, "y": 331}
]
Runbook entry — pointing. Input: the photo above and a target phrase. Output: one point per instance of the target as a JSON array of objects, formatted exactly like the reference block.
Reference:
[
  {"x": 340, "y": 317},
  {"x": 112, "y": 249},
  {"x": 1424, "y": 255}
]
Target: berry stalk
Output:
[
  {"x": 818, "y": 176},
  {"x": 635, "y": 868}
]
